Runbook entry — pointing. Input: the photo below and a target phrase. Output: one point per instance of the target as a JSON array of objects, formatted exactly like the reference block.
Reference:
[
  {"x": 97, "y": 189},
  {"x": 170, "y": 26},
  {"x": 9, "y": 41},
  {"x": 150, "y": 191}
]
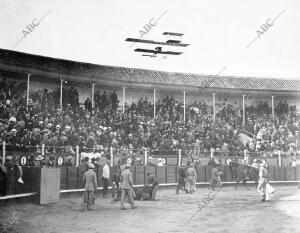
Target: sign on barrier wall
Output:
[
  {"x": 50, "y": 185},
  {"x": 23, "y": 160},
  {"x": 204, "y": 161},
  {"x": 60, "y": 161},
  {"x": 183, "y": 161},
  {"x": 272, "y": 162},
  {"x": 172, "y": 161}
]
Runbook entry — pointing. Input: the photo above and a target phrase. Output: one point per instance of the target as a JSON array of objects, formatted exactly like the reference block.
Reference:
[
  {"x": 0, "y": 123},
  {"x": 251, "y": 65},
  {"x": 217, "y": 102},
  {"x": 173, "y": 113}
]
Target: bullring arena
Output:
[
  {"x": 238, "y": 210},
  {"x": 53, "y": 144}
]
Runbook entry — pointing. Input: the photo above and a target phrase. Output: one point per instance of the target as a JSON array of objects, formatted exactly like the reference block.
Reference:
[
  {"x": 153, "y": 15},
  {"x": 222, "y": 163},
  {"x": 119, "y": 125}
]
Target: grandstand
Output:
[{"x": 120, "y": 101}]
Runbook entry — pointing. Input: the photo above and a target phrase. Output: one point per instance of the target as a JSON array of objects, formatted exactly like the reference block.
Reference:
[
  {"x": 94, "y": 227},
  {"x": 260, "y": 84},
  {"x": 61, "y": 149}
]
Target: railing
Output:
[{"x": 76, "y": 157}]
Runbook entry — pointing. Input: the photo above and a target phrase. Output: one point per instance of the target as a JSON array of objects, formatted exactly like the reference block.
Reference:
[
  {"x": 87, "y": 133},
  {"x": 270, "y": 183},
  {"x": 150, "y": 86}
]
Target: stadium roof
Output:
[{"x": 10, "y": 60}]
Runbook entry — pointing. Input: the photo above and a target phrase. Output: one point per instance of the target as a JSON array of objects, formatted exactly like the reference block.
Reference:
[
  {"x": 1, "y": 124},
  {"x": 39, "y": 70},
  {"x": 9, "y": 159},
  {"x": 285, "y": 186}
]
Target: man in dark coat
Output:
[
  {"x": 152, "y": 182},
  {"x": 90, "y": 180},
  {"x": 127, "y": 187},
  {"x": 181, "y": 179}
]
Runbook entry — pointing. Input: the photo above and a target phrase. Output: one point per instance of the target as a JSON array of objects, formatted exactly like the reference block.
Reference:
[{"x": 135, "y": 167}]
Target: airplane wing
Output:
[
  {"x": 170, "y": 52},
  {"x": 157, "y": 52},
  {"x": 144, "y": 50},
  {"x": 156, "y": 42},
  {"x": 172, "y": 34}
]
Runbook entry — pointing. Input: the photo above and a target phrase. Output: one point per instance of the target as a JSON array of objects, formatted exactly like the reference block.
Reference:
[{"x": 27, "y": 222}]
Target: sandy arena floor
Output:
[{"x": 230, "y": 211}]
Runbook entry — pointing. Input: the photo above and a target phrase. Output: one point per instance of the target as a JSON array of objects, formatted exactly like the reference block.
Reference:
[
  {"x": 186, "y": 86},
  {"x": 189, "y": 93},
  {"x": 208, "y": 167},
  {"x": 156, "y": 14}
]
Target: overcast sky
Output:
[{"x": 218, "y": 32}]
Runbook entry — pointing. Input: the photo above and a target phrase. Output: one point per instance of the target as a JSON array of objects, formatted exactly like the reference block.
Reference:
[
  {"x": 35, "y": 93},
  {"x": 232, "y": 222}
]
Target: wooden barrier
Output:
[
  {"x": 133, "y": 171},
  {"x": 139, "y": 175},
  {"x": 272, "y": 162},
  {"x": 81, "y": 171},
  {"x": 99, "y": 171},
  {"x": 171, "y": 174},
  {"x": 240, "y": 173},
  {"x": 201, "y": 173},
  {"x": 161, "y": 175},
  {"x": 208, "y": 173},
  {"x": 272, "y": 173},
  {"x": 64, "y": 178},
  {"x": 284, "y": 162},
  {"x": 152, "y": 170},
  {"x": 71, "y": 177},
  {"x": 227, "y": 175},
  {"x": 280, "y": 173},
  {"x": 290, "y": 173},
  {"x": 297, "y": 172}
]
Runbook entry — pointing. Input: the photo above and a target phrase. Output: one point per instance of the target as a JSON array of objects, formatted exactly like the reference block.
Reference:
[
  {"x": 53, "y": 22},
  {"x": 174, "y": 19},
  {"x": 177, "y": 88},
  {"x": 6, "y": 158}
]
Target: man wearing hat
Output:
[
  {"x": 105, "y": 178},
  {"x": 153, "y": 184},
  {"x": 215, "y": 174},
  {"x": 263, "y": 179},
  {"x": 255, "y": 171},
  {"x": 127, "y": 187},
  {"x": 181, "y": 179},
  {"x": 90, "y": 180}
]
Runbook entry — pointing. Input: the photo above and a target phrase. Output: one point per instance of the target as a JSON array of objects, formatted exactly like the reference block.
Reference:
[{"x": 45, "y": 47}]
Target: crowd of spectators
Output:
[{"x": 26, "y": 128}]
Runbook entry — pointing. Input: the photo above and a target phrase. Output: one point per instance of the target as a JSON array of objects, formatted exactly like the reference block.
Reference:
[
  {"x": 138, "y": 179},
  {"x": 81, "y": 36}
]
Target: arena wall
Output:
[{"x": 71, "y": 177}]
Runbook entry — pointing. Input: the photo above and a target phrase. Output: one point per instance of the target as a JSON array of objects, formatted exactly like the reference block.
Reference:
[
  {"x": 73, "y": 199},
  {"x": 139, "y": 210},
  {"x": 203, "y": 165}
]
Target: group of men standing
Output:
[
  {"x": 255, "y": 170},
  {"x": 122, "y": 179},
  {"x": 187, "y": 177}
]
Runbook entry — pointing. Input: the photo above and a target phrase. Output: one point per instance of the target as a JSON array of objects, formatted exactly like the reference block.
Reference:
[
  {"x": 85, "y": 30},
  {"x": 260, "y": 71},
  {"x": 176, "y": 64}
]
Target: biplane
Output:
[{"x": 174, "y": 39}]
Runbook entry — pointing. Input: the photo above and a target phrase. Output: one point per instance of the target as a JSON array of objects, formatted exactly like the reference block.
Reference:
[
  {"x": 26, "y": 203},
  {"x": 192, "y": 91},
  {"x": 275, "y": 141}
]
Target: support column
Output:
[
  {"x": 146, "y": 158},
  {"x": 179, "y": 158},
  {"x": 184, "y": 107},
  {"x": 124, "y": 99},
  {"x": 214, "y": 107},
  {"x": 61, "y": 93},
  {"x": 111, "y": 156},
  {"x": 154, "y": 103},
  {"x": 43, "y": 149},
  {"x": 28, "y": 89},
  {"x": 3, "y": 152},
  {"x": 244, "y": 119},
  {"x": 77, "y": 156},
  {"x": 93, "y": 94},
  {"x": 273, "y": 112}
]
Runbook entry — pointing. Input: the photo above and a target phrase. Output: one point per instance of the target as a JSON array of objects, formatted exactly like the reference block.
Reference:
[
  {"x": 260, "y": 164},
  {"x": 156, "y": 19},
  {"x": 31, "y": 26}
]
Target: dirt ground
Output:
[{"x": 230, "y": 211}]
